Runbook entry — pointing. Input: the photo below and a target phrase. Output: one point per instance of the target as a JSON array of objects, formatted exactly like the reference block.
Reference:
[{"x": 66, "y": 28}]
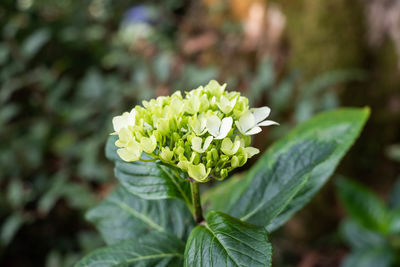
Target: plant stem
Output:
[{"x": 197, "y": 210}]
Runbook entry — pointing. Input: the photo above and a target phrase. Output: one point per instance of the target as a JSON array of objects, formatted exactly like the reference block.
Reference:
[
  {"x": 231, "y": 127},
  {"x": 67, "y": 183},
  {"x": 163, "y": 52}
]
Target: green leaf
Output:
[
  {"x": 394, "y": 221},
  {"x": 342, "y": 126},
  {"x": 148, "y": 180},
  {"x": 35, "y": 42},
  {"x": 227, "y": 241},
  {"x": 155, "y": 249},
  {"x": 275, "y": 183},
  {"x": 394, "y": 201},
  {"x": 358, "y": 237},
  {"x": 123, "y": 215},
  {"x": 10, "y": 227},
  {"x": 4, "y": 53},
  {"x": 373, "y": 257},
  {"x": 363, "y": 205},
  {"x": 15, "y": 193}
]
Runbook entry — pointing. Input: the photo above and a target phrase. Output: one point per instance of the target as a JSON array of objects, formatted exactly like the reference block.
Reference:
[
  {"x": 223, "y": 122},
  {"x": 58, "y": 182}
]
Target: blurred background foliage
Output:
[
  {"x": 372, "y": 229},
  {"x": 67, "y": 67}
]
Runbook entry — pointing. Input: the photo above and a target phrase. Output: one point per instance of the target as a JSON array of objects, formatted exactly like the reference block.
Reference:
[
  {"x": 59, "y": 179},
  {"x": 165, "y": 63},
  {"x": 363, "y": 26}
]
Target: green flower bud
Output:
[
  {"x": 209, "y": 164},
  {"x": 148, "y": 144},
  {"x": 157, "y": 134},
  {"x": 226, "y": 105},
  {"x": 223, "y": 173},
  {"x": 209, "y": 156},
  {"x": 179, "y": 150},
  {"x": 176, "y": 137},
  {"x": 242, "y": 105},
  {"x": 215, "y": 89},
  {"x": 224, "y": 158},
  {"x": 195, "y": 158},
  {"x": 163, "y": 125},
  {"x": 214, "y": 154},
  {"x": 166, "y": 155},
  {"x": 235, "y": 162},
  {"x": 198, "y": 172}
]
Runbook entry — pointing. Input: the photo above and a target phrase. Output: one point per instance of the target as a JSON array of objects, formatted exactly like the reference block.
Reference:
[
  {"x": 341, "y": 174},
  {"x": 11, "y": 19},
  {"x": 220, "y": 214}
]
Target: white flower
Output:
[
  {"x": 198, "y": 125},
  {"x": 217, "y": 128},
  {"x": 226, "y": 105},
  {"x": 125, "y": 120},
  {"x": 197, "y": 141},
  {"x": 230, "y": 148},
  {"x": 250, "y": 122}
]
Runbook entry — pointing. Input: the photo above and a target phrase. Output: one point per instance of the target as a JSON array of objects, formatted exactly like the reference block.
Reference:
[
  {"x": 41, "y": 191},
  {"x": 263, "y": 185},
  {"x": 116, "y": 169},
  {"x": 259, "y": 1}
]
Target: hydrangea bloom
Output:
[{"x": 205, "y": 134}]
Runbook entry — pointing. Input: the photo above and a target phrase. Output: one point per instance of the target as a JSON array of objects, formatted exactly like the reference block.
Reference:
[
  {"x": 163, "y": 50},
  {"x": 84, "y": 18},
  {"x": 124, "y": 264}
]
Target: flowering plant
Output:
[
  {"x": 206, "y": 134},
  {"x": 165, "y": 149}
]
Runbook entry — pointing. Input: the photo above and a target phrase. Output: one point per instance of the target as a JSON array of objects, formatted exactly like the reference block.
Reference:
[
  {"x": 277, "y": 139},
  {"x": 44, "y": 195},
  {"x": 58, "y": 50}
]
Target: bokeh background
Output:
[{"x": 67, "y": 67}]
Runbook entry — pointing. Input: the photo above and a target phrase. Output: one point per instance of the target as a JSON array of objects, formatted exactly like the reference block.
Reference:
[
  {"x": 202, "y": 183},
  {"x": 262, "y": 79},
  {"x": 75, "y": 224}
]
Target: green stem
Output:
[
  {"x": 148, "y": 160},
  {"x": 197, "y": 210}
]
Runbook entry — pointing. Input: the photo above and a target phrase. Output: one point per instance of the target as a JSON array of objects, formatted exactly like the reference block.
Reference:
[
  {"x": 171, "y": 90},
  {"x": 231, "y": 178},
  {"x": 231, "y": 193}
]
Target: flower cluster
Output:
[{"x": 206, "y": 134}]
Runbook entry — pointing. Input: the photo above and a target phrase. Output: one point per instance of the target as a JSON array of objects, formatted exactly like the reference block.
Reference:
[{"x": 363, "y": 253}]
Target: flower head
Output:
[{"x": 206, "y": 133}]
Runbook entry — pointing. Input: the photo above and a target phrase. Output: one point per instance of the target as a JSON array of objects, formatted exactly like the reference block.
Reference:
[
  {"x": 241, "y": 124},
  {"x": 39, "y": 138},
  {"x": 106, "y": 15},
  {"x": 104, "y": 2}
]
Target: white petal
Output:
[
  {"x": 255, "y": 130},
  {"x": 117, "y": 123},
  {"x": 251, "y": 151},
  {"x": 267, "y": 123},
  {"x": 240, "y": 128},
  {"x": 125, "y": 120},
  {"x": 126, "y": 155},
  {"x": 203, "y": 132},
  {"x": 147, "y": 126},
  {"x": 213, "y": 125},
  {"x": 236, "y": 146},
  {"x": 196, "y": 144},
  {"x": 247, "y": 121},
  {"x": 233, "y": 102},
  {"x": 213, "y": 101},
  {"x": 125, "y": 135},
  {"x": 223, "y": 87},
  {"x": 226, "y": 126},
  {"x": 132, "y": 116},
  {"x": 203, "y": 128},
  {"x": 203, "y": 122},
  {"x": 261, "y": 114},
  {"x": 207, "y": 143}
]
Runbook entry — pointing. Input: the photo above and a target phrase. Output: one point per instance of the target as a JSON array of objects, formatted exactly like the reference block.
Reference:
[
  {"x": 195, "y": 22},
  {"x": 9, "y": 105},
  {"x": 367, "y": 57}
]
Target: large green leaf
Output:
[
  {"x": 155, "y": 249},
  {"x": 227, "y": 241},
  {"x": 363, "y": 205},
  {"x": 275, "y": 183},
  {"x": 123, "y": 215},
  {"x": 342, "y": 126},
  {"x": 339, "y": 126},
  {"x": 148, "y": 180}
]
